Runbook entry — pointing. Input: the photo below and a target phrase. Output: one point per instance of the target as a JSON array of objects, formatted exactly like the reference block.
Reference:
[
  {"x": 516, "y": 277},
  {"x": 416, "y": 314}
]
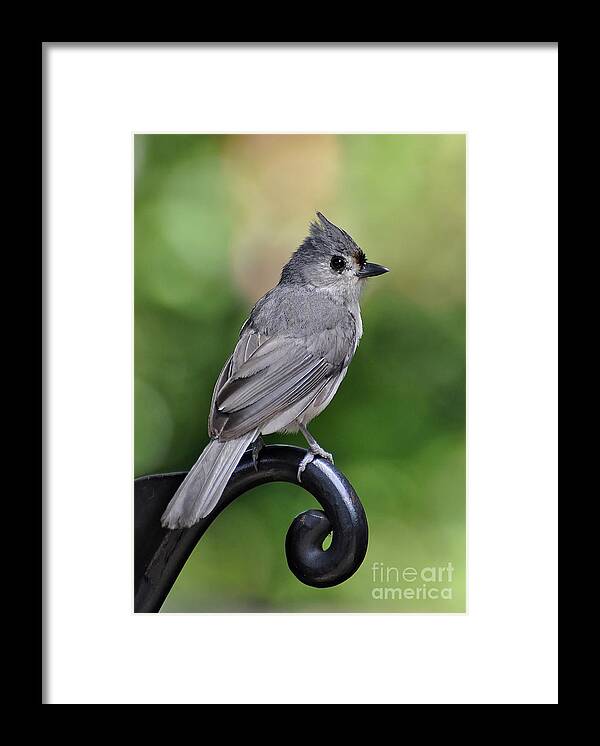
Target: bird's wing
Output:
[{"x": 269, "y": 375}]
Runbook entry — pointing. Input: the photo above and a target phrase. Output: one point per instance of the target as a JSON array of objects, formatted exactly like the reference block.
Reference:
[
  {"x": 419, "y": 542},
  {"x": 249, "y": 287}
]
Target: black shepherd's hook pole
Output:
[{"x": 160, "y": 554}]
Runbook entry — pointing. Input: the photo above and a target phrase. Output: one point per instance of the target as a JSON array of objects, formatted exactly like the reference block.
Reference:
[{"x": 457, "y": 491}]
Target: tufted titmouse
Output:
[{"x": 292, "y": 355}]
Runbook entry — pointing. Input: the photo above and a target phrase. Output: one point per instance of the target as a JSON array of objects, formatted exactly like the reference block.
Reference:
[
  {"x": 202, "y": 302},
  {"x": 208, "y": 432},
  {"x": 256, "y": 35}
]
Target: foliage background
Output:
[{"x": 216, "y": 217}]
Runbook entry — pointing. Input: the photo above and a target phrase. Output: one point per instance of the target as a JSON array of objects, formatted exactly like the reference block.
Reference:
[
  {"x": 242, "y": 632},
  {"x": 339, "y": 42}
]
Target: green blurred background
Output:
[{"x": 216, "y": 217}]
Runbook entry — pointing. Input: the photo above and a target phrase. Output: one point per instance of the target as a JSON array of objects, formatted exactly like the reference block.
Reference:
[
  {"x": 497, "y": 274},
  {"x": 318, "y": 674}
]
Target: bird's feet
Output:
[
  {"x": 314, "y": 451},
  {"x": 257, "y": 447}
]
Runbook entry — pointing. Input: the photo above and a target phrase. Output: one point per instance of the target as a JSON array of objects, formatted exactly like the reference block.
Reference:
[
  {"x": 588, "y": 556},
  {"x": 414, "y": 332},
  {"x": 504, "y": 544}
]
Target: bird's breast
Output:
[{"x": 358, "y": 325}]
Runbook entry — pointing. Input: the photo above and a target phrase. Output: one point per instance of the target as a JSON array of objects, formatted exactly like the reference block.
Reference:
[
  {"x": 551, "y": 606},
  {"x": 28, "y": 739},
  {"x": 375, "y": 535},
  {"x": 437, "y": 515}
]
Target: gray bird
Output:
[{"x": 292, "y": 355}]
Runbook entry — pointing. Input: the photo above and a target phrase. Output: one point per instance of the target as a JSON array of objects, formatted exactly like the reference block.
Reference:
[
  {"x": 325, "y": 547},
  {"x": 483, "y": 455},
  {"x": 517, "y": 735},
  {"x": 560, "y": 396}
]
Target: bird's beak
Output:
[{"x": 372, "y": 270}]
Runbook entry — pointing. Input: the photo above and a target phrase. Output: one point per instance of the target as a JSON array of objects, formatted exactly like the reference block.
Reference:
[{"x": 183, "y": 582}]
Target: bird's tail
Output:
[{"x": 204, "y": 484}]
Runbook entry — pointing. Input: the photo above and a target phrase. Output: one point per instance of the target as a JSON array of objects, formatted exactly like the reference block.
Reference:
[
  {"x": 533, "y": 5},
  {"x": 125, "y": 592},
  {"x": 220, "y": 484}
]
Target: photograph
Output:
[
  {"x": 299, "y": 373},
  {"x": 299, "y": 359}
]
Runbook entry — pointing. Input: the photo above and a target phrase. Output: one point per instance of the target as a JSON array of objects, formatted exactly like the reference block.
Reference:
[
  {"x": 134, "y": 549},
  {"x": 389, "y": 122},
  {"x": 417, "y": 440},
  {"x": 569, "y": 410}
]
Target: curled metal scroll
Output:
[{"x": 160, "y": 554}]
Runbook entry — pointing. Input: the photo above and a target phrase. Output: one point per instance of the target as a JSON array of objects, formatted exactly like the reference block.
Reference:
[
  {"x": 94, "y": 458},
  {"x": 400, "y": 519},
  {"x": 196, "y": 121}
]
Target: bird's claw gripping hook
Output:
[
  {"x": 312, "y": 453},
  {"x": 257, "y": 447}
]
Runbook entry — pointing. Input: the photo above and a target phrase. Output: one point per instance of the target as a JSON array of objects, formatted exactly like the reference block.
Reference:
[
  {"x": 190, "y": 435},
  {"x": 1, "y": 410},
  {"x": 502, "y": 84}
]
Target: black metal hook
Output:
[{"x": 160, "y": 554}]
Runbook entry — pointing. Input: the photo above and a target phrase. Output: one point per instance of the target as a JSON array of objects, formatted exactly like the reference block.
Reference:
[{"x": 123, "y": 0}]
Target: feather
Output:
[{"x": 204, "y": 484}]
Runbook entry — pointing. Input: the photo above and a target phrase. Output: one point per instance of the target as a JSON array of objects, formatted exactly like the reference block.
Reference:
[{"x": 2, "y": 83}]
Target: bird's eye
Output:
[{"x": 337, "y": 263}]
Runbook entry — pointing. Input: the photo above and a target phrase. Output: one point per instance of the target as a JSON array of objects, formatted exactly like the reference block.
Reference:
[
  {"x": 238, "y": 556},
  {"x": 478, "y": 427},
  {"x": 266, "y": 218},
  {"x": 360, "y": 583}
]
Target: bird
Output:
[{"x": 292, "y": 354}]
